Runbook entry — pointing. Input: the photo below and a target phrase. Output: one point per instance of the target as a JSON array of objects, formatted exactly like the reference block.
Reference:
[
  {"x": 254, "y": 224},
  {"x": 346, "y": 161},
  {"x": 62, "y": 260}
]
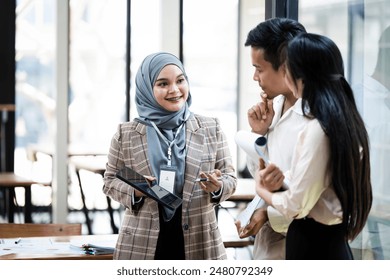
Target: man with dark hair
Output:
[{"x": 278, "y": 116}]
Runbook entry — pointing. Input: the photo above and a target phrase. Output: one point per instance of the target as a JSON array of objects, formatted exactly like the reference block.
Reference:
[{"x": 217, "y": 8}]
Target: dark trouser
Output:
[
  {"x": 309, "y": 240},
  {"x": 170, "y": 243}
]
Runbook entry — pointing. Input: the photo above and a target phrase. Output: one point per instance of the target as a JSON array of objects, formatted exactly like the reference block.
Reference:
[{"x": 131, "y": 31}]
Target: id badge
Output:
[{"x": 167, "y": 177}]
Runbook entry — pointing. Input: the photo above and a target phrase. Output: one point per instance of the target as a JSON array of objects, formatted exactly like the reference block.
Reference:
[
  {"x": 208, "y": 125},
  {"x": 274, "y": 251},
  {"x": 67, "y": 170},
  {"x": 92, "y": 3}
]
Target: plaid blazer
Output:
[{"x": 207, "y": 149}]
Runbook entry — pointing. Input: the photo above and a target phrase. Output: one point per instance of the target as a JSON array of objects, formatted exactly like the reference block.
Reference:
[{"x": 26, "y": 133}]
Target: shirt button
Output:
[{"x": 185, "y": 226}]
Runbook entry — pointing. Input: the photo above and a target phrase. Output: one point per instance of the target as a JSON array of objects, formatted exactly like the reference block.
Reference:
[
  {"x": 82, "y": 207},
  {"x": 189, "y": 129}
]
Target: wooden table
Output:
[
  {"x": 245, "y": 191},
  {"x": 54, "y": 247},
  {"x": 4, "y": 111},
  {"x": 73, "y": 150},
  {"x": 7, "y": 107},
  {"x": 9, "y": 181},
  {"x": 59, "y": 247}
]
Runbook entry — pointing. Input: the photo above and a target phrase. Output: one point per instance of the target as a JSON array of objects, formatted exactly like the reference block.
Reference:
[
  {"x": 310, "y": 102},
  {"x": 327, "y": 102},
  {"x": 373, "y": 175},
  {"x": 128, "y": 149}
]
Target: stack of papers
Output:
[
  {"x": 35, "y": 246},
  {"x": 93, "y": 249}
]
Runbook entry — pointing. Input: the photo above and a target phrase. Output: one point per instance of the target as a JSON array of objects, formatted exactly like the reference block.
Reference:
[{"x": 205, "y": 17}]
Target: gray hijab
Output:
[{"x": 167, "y": 122}]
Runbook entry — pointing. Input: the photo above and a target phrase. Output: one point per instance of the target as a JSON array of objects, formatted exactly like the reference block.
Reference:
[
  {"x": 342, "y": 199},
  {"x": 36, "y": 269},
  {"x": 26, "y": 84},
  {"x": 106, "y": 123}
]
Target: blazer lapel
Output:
[
  {"x": 194, "y": 148},
  {"x": 140, "y": 153},
  {"x": 140, "y": 150}
]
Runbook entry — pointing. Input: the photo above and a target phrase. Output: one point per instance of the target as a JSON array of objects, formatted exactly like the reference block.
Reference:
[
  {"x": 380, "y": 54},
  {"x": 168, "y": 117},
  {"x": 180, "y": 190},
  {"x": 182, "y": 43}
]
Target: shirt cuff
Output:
[
  {"x": 278, "y": 222},
  {"x": 134, "y": 201},
  {"x": 217, "y": 194}
]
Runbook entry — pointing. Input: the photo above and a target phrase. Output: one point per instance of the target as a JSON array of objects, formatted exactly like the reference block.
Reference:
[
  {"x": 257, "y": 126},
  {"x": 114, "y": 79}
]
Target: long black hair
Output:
[{"x": 317, "y": 61}]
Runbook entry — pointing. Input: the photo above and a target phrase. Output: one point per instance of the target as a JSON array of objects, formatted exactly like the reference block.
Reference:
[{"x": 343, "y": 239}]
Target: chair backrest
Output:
[{"x": 35, "y": 230}]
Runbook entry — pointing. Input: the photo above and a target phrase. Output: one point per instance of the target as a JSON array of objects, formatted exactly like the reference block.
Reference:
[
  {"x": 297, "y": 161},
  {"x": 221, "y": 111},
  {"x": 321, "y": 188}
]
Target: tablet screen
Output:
[{"x": 150, "y": 189}]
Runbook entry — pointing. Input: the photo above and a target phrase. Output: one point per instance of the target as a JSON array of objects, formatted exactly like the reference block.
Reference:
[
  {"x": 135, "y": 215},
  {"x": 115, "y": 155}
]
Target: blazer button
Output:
[{"x": 185, "y": 226}]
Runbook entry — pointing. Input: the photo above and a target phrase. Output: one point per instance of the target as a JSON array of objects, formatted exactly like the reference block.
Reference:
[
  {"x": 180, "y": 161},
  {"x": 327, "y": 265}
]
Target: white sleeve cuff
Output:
[
  {"x": 217, "y": 194},
  {"x": 278, "y": 222},
  {"x": 133, "y": 201}
]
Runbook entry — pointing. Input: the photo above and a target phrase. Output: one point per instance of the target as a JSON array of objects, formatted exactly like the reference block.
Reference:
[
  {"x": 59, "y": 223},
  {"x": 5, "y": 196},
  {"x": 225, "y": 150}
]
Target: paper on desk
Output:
[
  {"x": 245, "y": 216},
  {"x": 25, "y": 242},
  {"x": 33, "y": 246},
  {"x": 95, "y": 248}
]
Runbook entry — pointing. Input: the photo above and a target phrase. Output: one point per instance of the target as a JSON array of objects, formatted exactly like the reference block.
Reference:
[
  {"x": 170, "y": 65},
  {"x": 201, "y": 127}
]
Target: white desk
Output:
[{"x": 54, "y": 247}]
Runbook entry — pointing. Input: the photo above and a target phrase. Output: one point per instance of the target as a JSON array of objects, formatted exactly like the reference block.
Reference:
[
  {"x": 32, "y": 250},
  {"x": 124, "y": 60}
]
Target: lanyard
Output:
[{"x": 170, "y": 144}]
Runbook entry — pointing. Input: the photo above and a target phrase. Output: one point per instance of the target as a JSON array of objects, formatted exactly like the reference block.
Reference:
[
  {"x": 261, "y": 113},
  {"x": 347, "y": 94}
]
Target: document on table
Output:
[
  {"x": 33, "y": 246},
  {"x": 95, "y": 248}
]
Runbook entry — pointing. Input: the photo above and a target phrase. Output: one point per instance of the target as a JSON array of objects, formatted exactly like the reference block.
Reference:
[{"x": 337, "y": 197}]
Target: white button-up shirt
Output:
[
  {"x": 310, "y": 192},
  {"x": 293, "y": 148}
]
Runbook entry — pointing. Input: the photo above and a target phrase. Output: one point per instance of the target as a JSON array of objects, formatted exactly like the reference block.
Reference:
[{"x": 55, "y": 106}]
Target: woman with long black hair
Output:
[{"x": 329, "y": 195}]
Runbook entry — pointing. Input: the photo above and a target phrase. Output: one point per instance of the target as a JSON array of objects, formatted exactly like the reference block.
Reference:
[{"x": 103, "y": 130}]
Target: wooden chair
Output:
[
  {"x": 9, "y": 230},
  {"x": 96, "y": 165}
]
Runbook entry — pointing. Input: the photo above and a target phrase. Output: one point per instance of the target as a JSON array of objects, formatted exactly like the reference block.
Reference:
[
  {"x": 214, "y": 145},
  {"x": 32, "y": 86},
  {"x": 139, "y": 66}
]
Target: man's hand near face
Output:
[{"x": 261, "y": 114}]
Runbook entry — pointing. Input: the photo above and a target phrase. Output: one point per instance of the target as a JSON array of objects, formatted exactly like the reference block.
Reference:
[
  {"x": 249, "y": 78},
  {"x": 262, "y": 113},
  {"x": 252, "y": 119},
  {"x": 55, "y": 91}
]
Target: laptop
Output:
[{"x": 150, "y": 189}]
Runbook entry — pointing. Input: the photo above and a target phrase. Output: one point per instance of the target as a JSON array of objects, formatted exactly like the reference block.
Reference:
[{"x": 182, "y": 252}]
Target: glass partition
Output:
[
  {"x": 146, "y": 32},
  {"x": 97, "y": 54},
  {"x": 210, "y": 57},
  {"x": 97, "y": 72},
  {"x": 361, "y": 30},
  {"x": 35, "y": 91}
]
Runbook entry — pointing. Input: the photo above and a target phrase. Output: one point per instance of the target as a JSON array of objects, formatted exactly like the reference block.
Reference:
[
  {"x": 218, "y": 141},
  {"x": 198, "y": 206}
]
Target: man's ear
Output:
[{"x": 282, "y": 69}]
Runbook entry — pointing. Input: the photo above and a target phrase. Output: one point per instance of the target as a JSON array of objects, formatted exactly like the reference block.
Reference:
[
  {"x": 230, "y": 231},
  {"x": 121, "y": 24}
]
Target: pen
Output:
[
  {"x": 205, "y": 179},
  {"x": 18, "y": 240}
]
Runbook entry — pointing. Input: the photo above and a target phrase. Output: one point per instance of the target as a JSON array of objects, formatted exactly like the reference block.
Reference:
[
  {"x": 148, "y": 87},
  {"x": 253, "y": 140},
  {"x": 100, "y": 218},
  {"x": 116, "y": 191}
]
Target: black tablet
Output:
[{"x": 150, "y": 189}]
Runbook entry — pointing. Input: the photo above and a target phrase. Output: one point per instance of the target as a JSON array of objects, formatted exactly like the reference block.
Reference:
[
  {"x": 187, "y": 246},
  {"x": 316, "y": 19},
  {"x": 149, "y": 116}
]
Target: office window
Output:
[
  {"x": 97, "y": 72},
  {"x": 96, "y": 83},
  {"x": 35, "y": 81},
  {"x": 252, "y": 12},
  {"x": 146, "y": 35},
  {"x": 210, "y": 58}
]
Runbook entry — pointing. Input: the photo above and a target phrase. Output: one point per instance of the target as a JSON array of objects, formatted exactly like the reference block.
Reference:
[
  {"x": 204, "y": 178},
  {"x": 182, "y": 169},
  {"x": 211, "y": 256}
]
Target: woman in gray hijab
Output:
[{"x": 175, "y": 147}]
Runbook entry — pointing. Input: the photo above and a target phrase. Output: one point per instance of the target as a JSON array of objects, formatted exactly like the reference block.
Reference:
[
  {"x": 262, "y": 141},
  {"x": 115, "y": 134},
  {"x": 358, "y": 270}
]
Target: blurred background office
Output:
[{"x": 68, "y": 66}]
